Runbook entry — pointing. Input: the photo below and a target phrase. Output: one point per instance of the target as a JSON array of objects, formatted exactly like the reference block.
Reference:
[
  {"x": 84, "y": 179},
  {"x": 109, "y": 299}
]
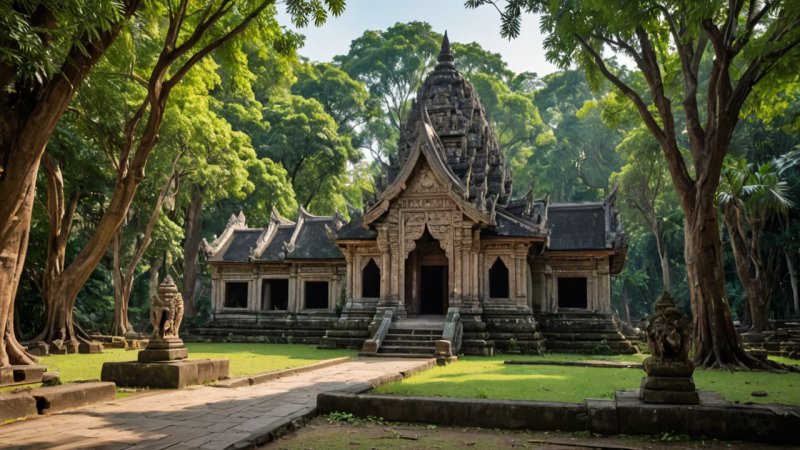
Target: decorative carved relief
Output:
[{"x": 425, "y": 182}]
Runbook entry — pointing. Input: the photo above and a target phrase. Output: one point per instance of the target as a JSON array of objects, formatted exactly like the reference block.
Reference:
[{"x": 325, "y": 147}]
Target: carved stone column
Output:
[
  {"x": 348, "y": 259},
  {"x": 386, "y": 268}
]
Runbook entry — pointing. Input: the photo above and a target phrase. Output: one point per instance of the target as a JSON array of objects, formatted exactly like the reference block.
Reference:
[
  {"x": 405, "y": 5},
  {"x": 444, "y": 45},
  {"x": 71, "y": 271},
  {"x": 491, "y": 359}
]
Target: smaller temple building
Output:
[{"x": 445, "y": 248}]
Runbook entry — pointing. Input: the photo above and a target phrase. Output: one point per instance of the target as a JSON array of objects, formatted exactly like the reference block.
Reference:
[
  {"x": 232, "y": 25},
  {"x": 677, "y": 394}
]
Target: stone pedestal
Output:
[
  {"x": 166, "y": 349},
  {"x": 163, "y": 363},
  {"x": 670, "y": 390},
  {"x": 165, "y": 374}
]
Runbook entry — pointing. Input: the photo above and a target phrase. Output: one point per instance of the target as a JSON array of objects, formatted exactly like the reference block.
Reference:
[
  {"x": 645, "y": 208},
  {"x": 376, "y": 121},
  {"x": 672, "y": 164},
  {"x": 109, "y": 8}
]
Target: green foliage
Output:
[
  {"x": 348, "y": 418},
  {"x": 37, "y": 35}
]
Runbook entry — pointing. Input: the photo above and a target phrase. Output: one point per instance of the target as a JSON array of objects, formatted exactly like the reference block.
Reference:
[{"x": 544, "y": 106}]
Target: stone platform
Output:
[{"x": 165, "y": 374}]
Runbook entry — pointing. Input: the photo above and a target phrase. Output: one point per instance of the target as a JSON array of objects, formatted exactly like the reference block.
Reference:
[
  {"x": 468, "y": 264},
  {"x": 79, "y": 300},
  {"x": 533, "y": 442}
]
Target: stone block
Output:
[
  {"x": 669, "y": 397},
  {"x": 602, "y": 416},
  {"x": 460, "y": 412},
  {"x": 165, "y": 374},
  {"x": 17, "y": 406},
  {"x": 39, "y": 349},
  {"x": 443, "y": 349},
  {"x": 53, "y": 399},
  {"x": 13, "y": 375},
  {"x": 668, "y": 384},
  {"x": 90, "y": 347},
  {"x": 168, "y": 354}
]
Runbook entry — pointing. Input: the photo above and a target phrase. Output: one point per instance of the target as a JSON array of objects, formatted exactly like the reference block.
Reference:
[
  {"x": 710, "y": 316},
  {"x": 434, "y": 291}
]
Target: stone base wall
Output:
[
  {"x": 486, "y": 331},
  {"x": 272, "y": 327},
  {"x": 580, "y": 331},
  {"x": 513, "y": 329}
]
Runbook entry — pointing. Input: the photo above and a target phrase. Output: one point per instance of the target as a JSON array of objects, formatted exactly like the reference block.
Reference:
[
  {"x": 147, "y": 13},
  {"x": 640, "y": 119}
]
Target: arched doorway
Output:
[{"x": 426, "y": 284}]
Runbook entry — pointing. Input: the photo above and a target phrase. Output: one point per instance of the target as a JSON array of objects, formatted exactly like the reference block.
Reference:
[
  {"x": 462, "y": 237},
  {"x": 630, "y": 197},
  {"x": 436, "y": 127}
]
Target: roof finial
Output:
[{"x": 445, "y": 57}]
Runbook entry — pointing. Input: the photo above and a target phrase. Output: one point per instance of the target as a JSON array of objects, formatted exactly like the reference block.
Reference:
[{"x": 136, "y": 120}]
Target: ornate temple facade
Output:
[{"x": 444, "y": 247}]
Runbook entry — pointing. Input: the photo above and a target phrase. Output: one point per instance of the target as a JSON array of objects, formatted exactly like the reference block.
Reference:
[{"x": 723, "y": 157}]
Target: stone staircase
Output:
[
  {"x": 413, "y": 337},
  {"x": 410, "y": 342},
  {"x": 785, "y": 340},
  {"x": 581, "y": 331}
]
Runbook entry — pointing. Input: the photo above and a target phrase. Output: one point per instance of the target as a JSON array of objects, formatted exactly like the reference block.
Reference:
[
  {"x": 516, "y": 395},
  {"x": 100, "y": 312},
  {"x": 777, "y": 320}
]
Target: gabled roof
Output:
[
  {"x": 282, "y": 240},
  {"x": 577, "y": 226},
  {"x": 429, "y": 147}
]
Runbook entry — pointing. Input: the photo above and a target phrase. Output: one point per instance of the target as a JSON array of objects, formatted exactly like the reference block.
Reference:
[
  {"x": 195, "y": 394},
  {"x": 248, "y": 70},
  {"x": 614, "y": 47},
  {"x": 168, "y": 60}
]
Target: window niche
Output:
[
  {"x": 371, "y": 280},
  {"x": 236, "y": 294},
  {"x": 572, "y": 292},
  {"x": 498, "y": 280},
  {"x": 316, "y": 294},
  {"x": 275, "y": 294}
]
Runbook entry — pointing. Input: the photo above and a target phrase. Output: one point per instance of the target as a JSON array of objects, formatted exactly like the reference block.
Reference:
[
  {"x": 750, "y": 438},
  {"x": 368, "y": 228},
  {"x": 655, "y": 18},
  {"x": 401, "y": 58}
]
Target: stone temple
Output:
[{"x": 445, "y": 252}]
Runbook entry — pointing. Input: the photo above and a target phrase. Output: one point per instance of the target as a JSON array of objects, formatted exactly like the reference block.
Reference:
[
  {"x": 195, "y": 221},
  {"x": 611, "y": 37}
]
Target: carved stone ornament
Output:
[
  {"x": 166, "y": 310},
  {"x": 668, "y": 335},
  {"x": 669, "y": 369}
]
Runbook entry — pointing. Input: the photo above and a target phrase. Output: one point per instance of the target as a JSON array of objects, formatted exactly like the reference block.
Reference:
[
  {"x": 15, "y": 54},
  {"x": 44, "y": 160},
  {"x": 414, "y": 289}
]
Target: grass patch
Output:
[
  {"x": 488, "y": 377},
  {"x": 246, "y": 359}
]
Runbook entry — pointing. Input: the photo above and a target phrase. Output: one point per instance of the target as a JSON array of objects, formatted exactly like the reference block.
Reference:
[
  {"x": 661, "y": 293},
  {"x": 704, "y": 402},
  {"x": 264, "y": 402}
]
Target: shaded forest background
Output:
[{"x": 257, "y": 127}]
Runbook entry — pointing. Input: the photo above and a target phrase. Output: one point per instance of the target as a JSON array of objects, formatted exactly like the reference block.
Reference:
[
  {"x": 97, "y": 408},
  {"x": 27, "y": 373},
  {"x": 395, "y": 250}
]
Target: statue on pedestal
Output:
[
  {"x": 166, "y": 315},
  {"x": 166, "y": 310},
  {"x": 669, "y": 369}
]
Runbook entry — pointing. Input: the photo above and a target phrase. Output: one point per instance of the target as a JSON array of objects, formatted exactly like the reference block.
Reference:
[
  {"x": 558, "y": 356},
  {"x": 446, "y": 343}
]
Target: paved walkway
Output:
[{"x": 200, "y": 416}]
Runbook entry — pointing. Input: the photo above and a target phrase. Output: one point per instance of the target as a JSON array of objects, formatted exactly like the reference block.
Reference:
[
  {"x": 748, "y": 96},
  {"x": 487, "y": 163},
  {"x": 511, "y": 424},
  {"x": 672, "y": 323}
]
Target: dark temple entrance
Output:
[
  {"x": 433, "y": 289},
  {"x": 426, "y": 278}
]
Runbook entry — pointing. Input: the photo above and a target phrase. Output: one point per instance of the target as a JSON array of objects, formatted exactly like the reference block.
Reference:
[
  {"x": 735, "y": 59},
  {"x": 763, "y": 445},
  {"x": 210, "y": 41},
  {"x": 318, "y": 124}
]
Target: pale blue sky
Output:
[{"x": 480, "y": 25}]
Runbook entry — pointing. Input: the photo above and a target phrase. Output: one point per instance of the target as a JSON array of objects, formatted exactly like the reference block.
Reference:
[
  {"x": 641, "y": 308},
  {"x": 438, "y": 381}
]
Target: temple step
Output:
[{"x": 410, "y": 341}]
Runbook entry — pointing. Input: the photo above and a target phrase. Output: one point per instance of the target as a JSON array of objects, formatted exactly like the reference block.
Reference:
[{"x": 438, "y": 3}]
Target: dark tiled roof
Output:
[
  {"x": 241, "y": 243},
  {"x": 508, "y": 225},
  {"x": 577, "y": 226},
  {"x": 275, "y": 250},
  {"x": 355, "y": 230},
  {"x": 313, "y": 243}
]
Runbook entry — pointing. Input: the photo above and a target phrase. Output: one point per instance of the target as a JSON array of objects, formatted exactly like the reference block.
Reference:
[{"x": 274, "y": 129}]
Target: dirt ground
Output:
[{"x": 321, "y": 434}]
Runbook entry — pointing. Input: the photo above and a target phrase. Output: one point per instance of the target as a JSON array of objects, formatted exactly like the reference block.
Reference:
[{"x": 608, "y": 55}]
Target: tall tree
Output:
[
  {"x": 392, "y": 64},
  {"x": 748, "y": 40},
  {"x": 643, "y": 186},
  {"x": 750, "y": 196},
  {"x": 49, "y": 47},
  {"x": 185, "y": 39}
]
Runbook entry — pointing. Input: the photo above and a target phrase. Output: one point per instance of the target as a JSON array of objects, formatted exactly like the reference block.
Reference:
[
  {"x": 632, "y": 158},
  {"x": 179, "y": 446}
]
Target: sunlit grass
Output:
[
  {"x": 488, "y": 377},
  {"x": 245, "y": 359}
]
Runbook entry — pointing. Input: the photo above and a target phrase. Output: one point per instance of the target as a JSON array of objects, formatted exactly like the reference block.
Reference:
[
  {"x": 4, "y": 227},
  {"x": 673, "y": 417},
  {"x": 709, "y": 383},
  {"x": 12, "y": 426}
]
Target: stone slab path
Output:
[{"x": 201, "y": 416}]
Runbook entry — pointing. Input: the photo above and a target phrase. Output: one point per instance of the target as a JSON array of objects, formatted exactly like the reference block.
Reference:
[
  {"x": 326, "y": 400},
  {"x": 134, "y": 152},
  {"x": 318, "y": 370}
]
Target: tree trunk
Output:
[
  {"x": 13, "y": 247},
  {"x": 191, "y": 249},
  {"x": 716, "y": 343},
  {"x": 627, "y": 307},
  {"x": 748, "y": 267},
  {"x": 663, "y": 257},
  {"x": 60, "y": 223},
  {"x": 122, "y": 290},
  {"x": 27, "y": 121},
  {"x": 793, "y": 281},
  {"x": 123, "y": 280}
]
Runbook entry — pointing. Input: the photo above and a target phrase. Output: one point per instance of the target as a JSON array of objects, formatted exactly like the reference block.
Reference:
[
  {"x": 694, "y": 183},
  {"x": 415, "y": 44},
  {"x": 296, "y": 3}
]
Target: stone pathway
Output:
[{"x": 201, "y": 416}]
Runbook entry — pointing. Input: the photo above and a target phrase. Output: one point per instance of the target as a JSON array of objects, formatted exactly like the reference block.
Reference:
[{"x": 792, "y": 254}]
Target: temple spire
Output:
[{"x": 445, "y": 57}]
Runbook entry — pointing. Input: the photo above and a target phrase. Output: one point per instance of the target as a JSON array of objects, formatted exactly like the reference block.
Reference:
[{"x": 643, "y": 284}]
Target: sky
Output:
[{"x": 482, "y": 25}]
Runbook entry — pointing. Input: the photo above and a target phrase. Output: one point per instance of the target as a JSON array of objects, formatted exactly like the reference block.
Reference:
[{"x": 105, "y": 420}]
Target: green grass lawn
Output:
[
  {"x": 488, "y": 377},
  {"x": 246, "y": 359}
]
